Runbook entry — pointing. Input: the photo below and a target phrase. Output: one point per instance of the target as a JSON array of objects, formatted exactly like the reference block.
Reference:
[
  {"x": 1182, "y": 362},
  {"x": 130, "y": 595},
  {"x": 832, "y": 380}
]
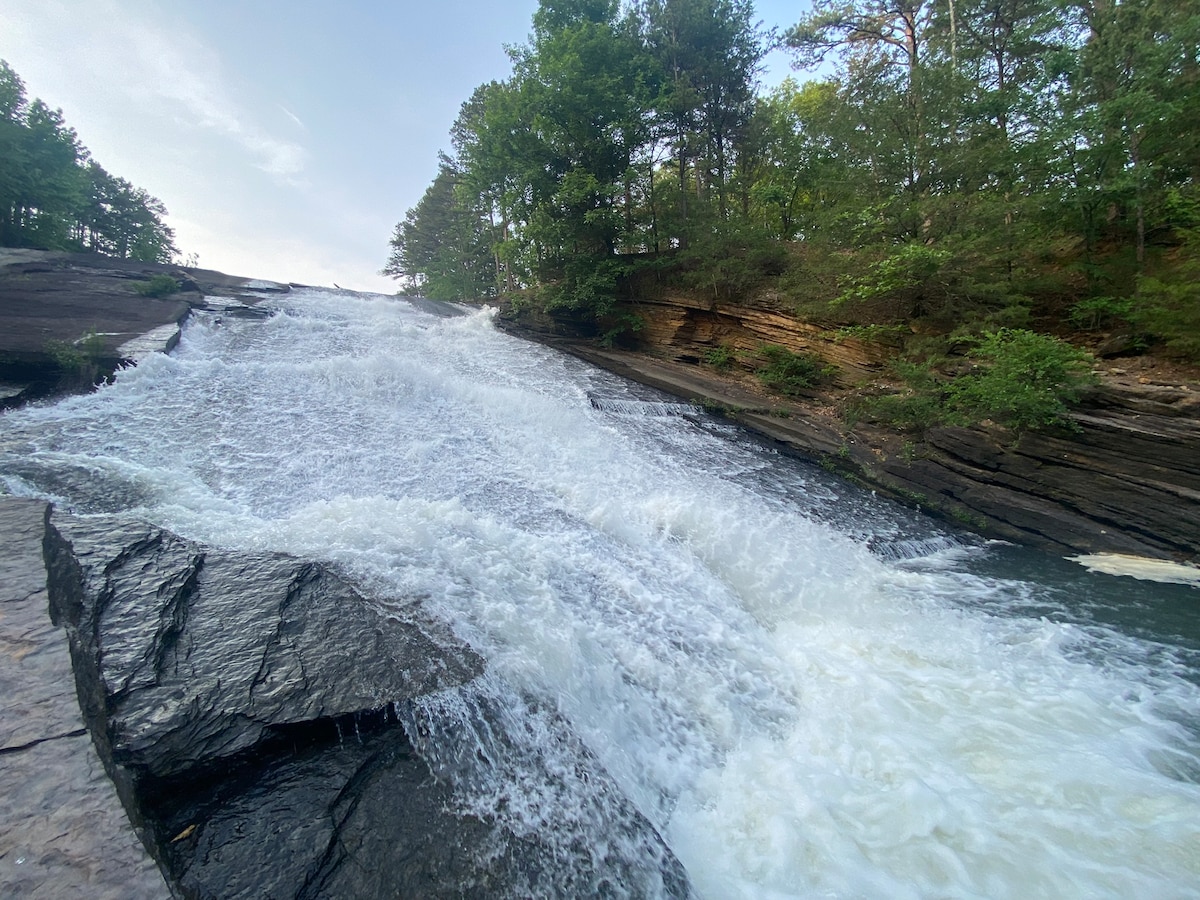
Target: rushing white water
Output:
[{"x": 738, "y": 639}]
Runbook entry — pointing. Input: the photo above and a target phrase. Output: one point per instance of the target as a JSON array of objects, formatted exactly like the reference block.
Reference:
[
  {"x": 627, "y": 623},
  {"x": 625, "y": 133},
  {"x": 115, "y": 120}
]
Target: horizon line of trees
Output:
[
  {"x": 55, "y": 196},
  {"x": 962, "y": 157}
]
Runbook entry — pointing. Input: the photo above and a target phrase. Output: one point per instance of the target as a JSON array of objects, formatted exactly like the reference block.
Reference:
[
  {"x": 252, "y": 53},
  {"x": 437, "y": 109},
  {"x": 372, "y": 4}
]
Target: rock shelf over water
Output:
[{"x": 247, "y": 708}]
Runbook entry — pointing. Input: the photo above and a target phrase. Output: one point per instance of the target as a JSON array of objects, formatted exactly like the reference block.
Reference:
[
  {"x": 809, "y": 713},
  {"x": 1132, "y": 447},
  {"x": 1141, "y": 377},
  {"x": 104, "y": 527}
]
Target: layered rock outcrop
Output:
[
  {"x": 69, "y": 319},
  {"x": 1122, "y": 479}
]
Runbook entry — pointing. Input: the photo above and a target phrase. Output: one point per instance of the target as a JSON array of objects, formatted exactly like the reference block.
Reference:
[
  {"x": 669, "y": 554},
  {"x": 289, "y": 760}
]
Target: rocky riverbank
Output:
[
  {"x": 254, "y": 713},
  {"x": 68, "y": 320},
  {"x": 185, "y": 721},
  {"x": 1124, "y": 479}
]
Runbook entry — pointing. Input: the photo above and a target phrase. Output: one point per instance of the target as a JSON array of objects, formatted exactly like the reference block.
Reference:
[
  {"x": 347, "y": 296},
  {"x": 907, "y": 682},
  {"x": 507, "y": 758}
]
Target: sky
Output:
[{"x": 286, "y": 139}]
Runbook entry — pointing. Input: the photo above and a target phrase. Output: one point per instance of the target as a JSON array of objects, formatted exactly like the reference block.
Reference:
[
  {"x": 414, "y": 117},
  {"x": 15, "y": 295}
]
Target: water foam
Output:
[{"x": 805, "y": 690}]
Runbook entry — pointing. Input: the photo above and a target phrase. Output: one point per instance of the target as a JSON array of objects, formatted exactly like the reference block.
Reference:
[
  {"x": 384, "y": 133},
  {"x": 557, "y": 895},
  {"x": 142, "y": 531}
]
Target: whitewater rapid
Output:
[{"x": 808, "y": 692}]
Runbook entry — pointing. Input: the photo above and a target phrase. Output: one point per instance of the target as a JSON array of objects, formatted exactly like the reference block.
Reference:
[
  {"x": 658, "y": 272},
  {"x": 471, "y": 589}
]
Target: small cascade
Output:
[
  {"x": 917, "y": 548},
  {"x": 622, "y": 406}
]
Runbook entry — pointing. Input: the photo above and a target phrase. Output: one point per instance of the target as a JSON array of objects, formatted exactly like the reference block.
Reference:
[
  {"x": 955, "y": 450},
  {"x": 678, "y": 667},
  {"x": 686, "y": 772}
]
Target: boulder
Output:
[{"x": 256, "y": 714}]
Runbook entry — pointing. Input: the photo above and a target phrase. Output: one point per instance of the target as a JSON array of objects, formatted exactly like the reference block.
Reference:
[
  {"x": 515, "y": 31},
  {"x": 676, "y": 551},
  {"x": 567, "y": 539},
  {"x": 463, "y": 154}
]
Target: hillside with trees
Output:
[
  {"x": 997, "y": 175},
  {"x": 54, "y": 196}
]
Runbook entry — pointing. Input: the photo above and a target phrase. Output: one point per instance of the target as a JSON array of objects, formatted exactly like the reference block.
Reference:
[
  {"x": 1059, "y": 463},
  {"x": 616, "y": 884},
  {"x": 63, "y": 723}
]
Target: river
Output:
[{"x": 808, "y": 691}]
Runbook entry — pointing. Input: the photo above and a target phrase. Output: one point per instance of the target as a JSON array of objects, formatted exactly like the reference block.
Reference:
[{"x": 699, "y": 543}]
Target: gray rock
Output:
[
  {"x": 63, "y": 832},
  {"x": 188, "y": 654},
  {"x": 50, "y": 301},
  {"x": 246, "y": 707}
]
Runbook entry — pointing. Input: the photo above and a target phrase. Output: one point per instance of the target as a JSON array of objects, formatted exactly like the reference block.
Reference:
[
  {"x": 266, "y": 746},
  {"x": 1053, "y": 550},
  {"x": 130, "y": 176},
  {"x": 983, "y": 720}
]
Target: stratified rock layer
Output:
[{"x": 1125, "y": 478}]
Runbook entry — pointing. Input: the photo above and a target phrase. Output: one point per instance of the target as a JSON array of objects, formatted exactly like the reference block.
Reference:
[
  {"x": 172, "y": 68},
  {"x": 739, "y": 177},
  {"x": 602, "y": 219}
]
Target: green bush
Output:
[
  {"x": 622, "y": 327},
  {"x": 158, "y": 286},
  {"x": 791, "y": 373},
  {"x": 1020, "y": 379},
  {"x": 919, "y": 406},
  {"x": 1168, "y": 307},
  {"x": 909, "y": 268},
  {"x": 1024, "y": 380},
  {"x": 1097, "y": 312},
  {"x": 720, "y": 357},
  {"x": 79, "y": 362}
]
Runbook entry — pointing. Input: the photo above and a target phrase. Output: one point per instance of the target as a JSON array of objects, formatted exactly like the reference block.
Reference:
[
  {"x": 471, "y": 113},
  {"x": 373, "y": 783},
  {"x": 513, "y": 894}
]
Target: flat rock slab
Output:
[
  {"x": 69, "y": 319},
  {"x": 63, "y": 831}
]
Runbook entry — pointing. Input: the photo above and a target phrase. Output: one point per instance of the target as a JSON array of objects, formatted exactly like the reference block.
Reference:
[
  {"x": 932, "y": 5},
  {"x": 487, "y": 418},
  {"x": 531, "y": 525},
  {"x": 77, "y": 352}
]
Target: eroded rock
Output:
[{"x": 255, "y": 712}]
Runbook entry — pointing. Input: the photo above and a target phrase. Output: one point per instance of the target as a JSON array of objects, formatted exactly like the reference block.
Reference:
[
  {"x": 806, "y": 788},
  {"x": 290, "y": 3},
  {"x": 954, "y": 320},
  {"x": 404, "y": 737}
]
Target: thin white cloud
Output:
[
  {"x": 156, "y": 66},
  {"x": 291, "y": 115}
]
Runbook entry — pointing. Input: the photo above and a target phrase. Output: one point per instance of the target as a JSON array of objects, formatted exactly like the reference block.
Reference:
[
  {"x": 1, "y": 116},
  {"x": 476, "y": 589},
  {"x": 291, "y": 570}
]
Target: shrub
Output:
[
  {"x": 791, "y": 373},
  {"x": 1096, "y": 312},
  {"x": 158, "y": 286},
  {"x": 1021, "y": 379},
  {"x": 1168, "y": 307},
  {"x": 1025, "y": 380},
  {"x": 910, "y": 268},
  {"x": 720, "y": 357},
  {"x": 919, "y": 406}
]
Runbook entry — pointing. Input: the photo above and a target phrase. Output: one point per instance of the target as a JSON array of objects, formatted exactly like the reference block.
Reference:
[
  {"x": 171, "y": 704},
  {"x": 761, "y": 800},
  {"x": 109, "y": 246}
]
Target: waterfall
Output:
[{"x": 807, "y": 691}]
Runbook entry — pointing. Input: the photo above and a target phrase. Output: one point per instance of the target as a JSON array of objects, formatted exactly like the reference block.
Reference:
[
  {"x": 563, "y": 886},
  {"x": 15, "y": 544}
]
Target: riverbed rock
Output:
[
  {"x": 251, "y": 709},
  {"x": 63, "y": 832}
]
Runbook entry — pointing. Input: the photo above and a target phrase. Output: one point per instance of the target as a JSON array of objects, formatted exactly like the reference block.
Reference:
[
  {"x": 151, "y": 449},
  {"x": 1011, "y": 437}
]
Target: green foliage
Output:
[
  {"x": 1168, "y": 306},
  {"x": 920, "y": 405},
  {"x": 962, "y": 170},
  {"x": 54, "y": 196},
  {"x": 1019, "y": 378},
  {"x": 78, "y": 361},
  {"x": 727, "y": 263},
  {"x": 887, "y": 334},
  {"x": 158, "y": 286},
  {"x": 791, "y": 373},
  {"x": 1099, "y": 312},
  {"x": 624, "y": 326},
  {"x": 907, "y": 271},
  {"x": 1024, "y": 380},
  {"x": 720, "y": 357}
]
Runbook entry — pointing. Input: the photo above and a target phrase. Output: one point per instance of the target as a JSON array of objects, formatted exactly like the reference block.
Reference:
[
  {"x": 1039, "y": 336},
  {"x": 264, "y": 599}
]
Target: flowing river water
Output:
[{"x": 808, "y": 691}]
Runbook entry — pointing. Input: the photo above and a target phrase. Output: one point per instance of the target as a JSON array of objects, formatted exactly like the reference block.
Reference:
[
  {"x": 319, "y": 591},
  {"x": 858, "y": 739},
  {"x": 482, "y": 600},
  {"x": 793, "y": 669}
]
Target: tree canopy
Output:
[
  {"x": 54, "y": 196},
  {"x": 974, "y": 163}
]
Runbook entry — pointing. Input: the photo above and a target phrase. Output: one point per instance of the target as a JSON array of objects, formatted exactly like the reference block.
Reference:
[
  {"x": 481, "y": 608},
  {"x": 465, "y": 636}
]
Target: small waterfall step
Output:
[{"x": 624, "y": 406}]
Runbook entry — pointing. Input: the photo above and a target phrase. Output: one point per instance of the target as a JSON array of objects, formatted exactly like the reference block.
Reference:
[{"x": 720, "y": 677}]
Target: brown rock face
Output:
[{"x": 1124, "y": 479}]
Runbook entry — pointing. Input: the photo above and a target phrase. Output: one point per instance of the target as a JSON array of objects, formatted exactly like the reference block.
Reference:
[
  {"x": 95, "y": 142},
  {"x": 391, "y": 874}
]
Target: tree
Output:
[
  {"x": 441, "y": 248},
  {"x": 53, "y": 195},
  {"x": 709, "y": 53}
]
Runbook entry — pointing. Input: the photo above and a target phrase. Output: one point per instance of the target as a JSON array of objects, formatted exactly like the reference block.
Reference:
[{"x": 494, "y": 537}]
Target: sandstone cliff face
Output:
[{"x": 1125, "y": 479}]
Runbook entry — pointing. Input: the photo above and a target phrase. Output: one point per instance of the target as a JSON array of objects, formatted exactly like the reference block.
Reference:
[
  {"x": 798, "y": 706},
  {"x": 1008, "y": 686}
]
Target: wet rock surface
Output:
[
  {"x": 63, "y": 831},
  {"x": 248, "y": 707},
  {"x": 196, "y": 654},
  {"x": 1125, "y": 478}
]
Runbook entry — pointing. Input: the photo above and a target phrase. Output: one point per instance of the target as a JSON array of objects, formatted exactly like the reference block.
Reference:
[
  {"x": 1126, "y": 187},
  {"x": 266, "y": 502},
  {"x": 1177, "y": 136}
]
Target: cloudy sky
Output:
[{"x": 285, "y": 138}]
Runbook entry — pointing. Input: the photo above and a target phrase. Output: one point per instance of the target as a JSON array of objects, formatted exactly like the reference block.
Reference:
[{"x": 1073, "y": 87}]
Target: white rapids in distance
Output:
[{"x": 797, "y": 715}]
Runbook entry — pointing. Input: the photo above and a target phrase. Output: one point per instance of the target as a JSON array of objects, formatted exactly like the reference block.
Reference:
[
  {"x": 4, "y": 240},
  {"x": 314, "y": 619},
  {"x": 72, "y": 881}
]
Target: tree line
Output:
[
  {"x": 54, "y": 196},
  {"x": 979, "y": 163}
]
